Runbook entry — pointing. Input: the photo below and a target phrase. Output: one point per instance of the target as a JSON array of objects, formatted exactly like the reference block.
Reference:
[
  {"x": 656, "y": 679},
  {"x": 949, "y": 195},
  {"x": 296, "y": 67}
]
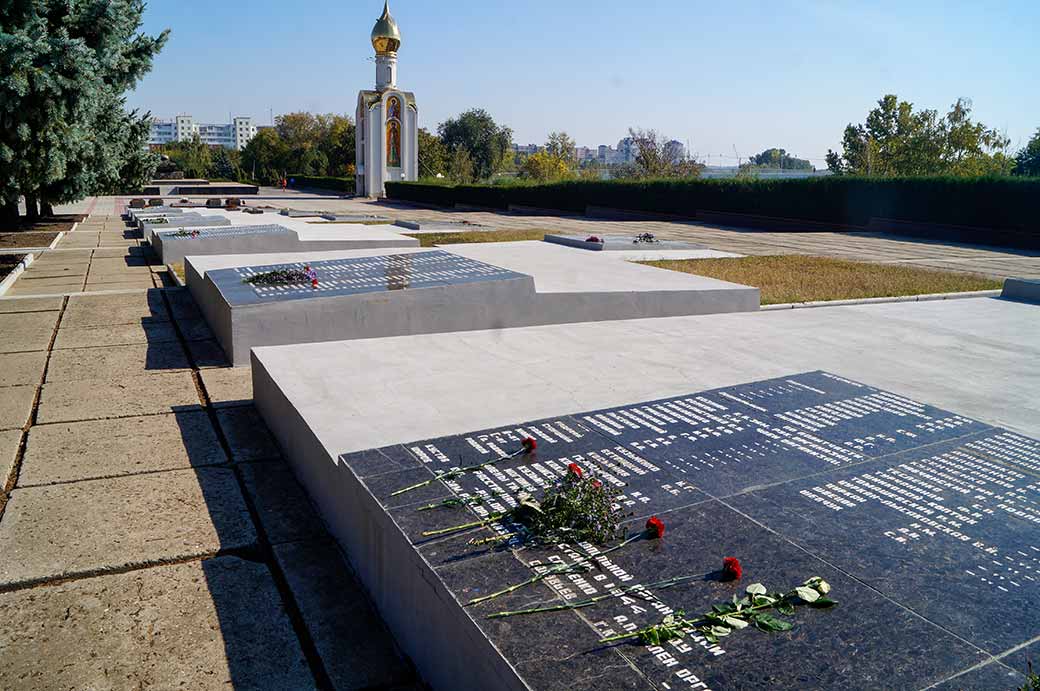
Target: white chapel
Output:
[{"x": 387, "y": 119}]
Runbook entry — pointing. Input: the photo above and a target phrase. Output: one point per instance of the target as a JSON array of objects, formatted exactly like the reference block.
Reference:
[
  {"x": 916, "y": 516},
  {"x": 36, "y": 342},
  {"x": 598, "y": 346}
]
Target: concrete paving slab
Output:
[
  {"x": 38, "y": 280},
  {"x": 124, "y": 264},
  {"x": 246, "y": 434},
  {"x": 67, "y": 452},
  {"x": 102, "y": 310},
  {"x": 30, "y": 305},
  {"x": 114, "y": 334},
  {"x": 27, "y": 321},
  {"x": 283, "y": 507},
  {"x": 118, "y": 253},
  {"x": 19, "y": 369},
  {"x": 94, "y": 526},
  {"x": 64, "y": 255},
  {"x": 36, "y": 288},
  {"x": 195, "y": 329},
  {"x": 354, "y": 646},
  {"x": 207, "y": 354},
  {"x": 88, "y": 399},
  {"x": 212, "y": 625},
  {"x": 113, "y": 362},
  {"x": 9, "y": 441},
  {"x": 134, "y": 284},
  {"x": 15, "y": 406},
  {"x": 69, "y": 273},
  {"x": 228, "y": 387},
  {"x": 22, "y": 341},
  {"x": 182, "y": 304}
]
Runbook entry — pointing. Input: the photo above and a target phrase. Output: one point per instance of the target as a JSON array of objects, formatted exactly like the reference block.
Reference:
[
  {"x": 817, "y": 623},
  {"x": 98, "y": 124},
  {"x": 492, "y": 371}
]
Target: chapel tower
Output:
[{"x": 387, "y": 119}]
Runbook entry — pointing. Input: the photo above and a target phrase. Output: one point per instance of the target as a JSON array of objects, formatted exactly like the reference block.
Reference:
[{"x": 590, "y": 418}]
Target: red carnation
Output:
[
  {"x": 575, "y": 469},
  {"x": 655, "y": 526},
  {"x": 529, "y": 444},
  {"x": 731, "y": 568}
]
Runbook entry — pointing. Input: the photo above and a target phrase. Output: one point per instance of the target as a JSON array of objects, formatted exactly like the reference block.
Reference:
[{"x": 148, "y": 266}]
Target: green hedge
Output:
[
  {"x": 345, "y": 185},
  {"x": 1005, "y": 203}
]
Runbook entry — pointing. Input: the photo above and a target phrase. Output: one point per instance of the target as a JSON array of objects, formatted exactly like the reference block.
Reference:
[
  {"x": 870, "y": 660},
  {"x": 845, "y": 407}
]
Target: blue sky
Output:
[{"x": 746, "y": 75}]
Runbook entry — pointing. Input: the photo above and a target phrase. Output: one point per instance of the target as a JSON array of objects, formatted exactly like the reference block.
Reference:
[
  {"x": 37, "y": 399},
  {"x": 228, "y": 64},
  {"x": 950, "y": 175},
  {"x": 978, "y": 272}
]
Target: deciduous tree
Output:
[
  {"x": 486, "y": 143},
  {"x": 779, "y": 158},
  {"x": 433, "y": 156},
  {"x": 896, "y": 140}
]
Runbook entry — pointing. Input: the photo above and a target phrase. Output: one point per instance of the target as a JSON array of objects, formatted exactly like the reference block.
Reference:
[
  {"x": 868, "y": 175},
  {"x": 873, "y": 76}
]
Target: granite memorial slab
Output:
[
  {"x": 360, "y": 297},
  {"x": 926, "y": 524},
  {"x": 299, "y": 213},
  {"x": 174, "y": 244},
  {"x": 433, "y": 226},
  {"x": 151, "y": 226},
  {"x": 620, "y": 243},
  {"x": 356, "y": 218},
  {"x": 150, "y": 211},
  {"x": 559, "y": 285},
  {"x": 1023, "y": 289}
]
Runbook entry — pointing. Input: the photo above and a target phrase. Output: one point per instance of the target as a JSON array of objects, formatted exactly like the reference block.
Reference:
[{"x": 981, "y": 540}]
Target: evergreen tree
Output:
[
  {"x": 64, "y": 129},
  {"x": 1027, "y": 162}
]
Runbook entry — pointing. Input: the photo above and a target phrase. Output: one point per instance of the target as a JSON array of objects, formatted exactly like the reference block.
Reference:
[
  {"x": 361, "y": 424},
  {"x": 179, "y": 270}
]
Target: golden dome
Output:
[{"x": 386, "y": 37}]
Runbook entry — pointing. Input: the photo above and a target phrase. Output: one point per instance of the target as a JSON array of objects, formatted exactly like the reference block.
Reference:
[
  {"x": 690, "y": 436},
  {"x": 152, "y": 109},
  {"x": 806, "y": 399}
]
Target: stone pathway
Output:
[{"x": 150, "y": 533}]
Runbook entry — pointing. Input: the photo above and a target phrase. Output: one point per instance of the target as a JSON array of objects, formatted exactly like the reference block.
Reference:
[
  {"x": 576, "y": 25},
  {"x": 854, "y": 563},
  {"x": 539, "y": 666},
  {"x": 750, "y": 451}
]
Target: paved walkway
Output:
[{"x": 150, "y": 534}]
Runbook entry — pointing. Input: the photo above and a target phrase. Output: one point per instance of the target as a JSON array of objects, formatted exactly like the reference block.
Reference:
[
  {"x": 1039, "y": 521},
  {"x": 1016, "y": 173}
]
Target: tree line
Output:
[
  {"x": 896, "y": 140},
  {"x": 66, "y": 133}
]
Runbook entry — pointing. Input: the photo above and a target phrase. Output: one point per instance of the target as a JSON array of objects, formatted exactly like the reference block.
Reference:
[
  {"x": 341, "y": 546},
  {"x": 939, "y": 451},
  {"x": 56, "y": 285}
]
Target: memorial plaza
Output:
[
  {"x": 710, "y": 434},
  {"x": 171, "y": 521}
]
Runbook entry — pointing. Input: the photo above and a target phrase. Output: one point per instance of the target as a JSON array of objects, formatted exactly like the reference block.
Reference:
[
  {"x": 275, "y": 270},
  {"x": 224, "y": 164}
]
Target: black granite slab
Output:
[
  {"x": 926, "y": 524},
  {"x": 356, "y": 276},
  {"x": 951, "y": 530},
  {"x": 619, "y": 243}
]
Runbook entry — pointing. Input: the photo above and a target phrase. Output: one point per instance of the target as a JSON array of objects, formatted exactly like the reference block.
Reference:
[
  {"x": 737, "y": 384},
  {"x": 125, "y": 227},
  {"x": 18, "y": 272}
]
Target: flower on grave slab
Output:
[
  {"x": 593, "y": 238},
  {"x": 575, "y": 470},
  {"x": 731, "y": 569},
  {"x": 759, "y": 609},
  {"x": 311, "y": 274},
  {"x": 526, "y": 446},
  {"x": 655, "y": 527}
]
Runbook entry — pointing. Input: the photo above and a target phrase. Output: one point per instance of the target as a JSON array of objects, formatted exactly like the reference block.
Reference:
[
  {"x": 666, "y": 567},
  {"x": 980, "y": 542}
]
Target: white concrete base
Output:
[
  {"x": 171, "y": 248},
  {"x": 568, "y": 285},
  {"x": 974, "y": 357}
]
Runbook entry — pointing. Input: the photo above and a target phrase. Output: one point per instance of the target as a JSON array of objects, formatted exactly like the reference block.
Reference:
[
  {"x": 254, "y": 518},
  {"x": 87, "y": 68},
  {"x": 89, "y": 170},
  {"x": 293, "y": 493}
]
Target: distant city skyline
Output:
[{"x": 731, "y": 81}]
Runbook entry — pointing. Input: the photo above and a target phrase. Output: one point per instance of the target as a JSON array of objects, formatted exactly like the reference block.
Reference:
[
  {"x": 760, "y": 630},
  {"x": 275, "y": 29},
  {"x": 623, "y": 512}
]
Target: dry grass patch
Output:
[
  {"x": 800, "y": 278},
  {"x": 178, "y": 269},
  {"x": 466, "y": 236}
]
